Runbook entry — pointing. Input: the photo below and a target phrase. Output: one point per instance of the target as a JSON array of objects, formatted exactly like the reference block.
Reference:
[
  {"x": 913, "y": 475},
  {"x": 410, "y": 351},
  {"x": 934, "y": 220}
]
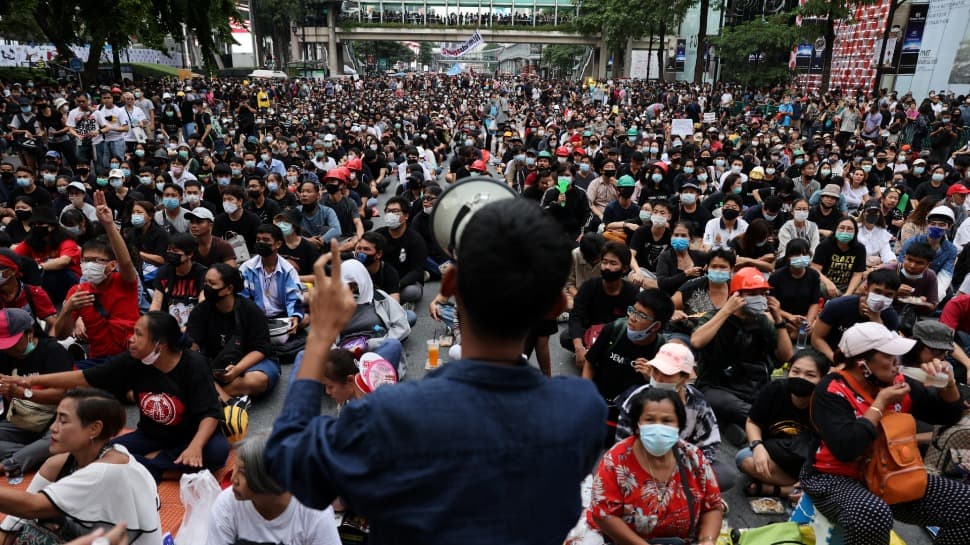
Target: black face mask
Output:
[
  {"x": 799, "y": 387},
  {"x": 263, "y": 249},
  {"x": 173, "y": 259},
  {"x": 333, "y": 189},
  {"x": 543, "y": 172},
  {"x": 610, "y": 275},
  {"x": 254, "y": 193},
  {"x": 730, "y": 213},
  {"x": 626, "y": 192},
  {"x": 212, "y": 294},
  {"x": 23, "y": 215},
  {"x": 609, "y": 173}
]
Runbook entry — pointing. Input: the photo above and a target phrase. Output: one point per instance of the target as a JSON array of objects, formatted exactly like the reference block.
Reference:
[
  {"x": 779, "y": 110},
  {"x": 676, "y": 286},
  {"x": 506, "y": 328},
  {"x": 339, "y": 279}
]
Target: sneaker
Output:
[
  {"x": 242, "y": 402},
  {"x": 563, "y": 318}
]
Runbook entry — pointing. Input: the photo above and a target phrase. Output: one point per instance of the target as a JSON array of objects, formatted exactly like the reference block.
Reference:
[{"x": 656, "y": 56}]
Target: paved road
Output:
[{"x": 740, "y": 515}]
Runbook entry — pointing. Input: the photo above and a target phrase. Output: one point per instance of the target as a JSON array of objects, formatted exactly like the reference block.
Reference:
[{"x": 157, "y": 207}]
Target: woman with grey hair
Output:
[{"x": 257, "y": 509}]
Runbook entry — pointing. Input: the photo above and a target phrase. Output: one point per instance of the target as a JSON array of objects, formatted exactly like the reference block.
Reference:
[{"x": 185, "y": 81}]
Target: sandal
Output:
[{"x": 757, "y": 489}]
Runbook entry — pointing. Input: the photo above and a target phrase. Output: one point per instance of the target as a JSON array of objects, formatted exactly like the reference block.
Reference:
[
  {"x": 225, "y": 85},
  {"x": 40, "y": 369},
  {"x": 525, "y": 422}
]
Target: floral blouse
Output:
[{"x": 623, "y": 488}]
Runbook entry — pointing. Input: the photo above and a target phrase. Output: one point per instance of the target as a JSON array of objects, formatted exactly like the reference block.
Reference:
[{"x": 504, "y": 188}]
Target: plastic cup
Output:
[{"x": 432, "y": 353}]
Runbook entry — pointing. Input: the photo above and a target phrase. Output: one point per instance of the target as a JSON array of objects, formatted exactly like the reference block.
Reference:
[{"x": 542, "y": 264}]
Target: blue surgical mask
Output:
[
  {"x": 31, "y": 345},
  {"x": 657, "y": 178},
  {"x": 919, "y": 170},
  {"x": 688, "y": 198},
  {"x": 801, "y": 262},
  {"x": 769, "y": 217},
  {"x": 658, "y": 439},
  {"x": 171, "y": 203},
  {"x": 285, "y": 227},
  {"x": 719, "y": 277},
  {"x": 644, "y": 216},
  {"x": 679, "y": 244},
  {"x": 935, "y": 233},
  {"x": 641, "y": 335},
  {"x": 529, "y": 161},
  {"x": 583, "y": 167},
  {"x": 688, "y": 170},
  {"x": 23, "y": 182}
]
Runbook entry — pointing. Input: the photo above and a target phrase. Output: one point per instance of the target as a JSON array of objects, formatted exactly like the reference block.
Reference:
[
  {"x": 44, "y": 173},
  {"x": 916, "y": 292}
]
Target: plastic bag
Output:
[{"x": 198, "y": 491}]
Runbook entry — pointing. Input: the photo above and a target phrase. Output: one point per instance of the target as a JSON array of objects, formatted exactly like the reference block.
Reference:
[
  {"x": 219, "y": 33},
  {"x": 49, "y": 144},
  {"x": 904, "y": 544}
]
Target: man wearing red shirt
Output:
[
  {"x": 106, "y": 301},
  {"x": 16, "y": 293}
]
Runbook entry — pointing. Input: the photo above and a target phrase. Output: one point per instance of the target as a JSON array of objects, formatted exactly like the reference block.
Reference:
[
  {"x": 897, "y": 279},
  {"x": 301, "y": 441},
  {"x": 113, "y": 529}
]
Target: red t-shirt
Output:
[
  {"x": 111, "y": 320},
  {"x": 67, "y": 248},
  {"x": 42, "y": 306},
  {"x": 956, "y": 314}
]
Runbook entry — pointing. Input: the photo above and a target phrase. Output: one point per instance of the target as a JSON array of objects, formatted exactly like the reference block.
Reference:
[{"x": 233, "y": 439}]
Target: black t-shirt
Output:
[
  {"x": 775, "y": 414},
  {"x": 269, "y": 210},
  {"x": 48, "y": 357},
  {"x": 842, "y": 313},
  {"x": 386, "y": 278},
  {"x": 246, "y": 226},
  {"x": 180, "y": 293},
  {"x": 41, "y": 196},
  {"x": 837, "y": 265},
  {"x": 827, "y": 223},
  {"x": 171, "y": 404},
  {"x": 211, "y": 330},
  {"x": 698, "y": 219},
  {"x": 592, "y": 305},
  {"x": 346, "y": 213},
  {"x": 153, "y": 241},
  {"x": 926, "y": 189},
  {"x": 647, "y": 247},
  {"x": 302, "y": 257},
  {"x": 406, "y": 254},
  {"x": 613, "y": 362},
  {"x": 795, "y": 294}
]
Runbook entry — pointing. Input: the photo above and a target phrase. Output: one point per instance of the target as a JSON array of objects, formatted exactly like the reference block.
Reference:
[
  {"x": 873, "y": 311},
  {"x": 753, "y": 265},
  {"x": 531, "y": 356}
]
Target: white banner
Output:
[
  {"x": 30, "y": 55},
  {"x": 470, "y": 45}
]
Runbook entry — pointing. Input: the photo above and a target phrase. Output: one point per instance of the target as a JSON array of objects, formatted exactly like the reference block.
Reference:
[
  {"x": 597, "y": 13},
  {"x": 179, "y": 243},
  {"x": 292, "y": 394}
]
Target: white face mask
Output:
[
  {"x": 428, "y": 209},
  {"x": 150, "y": 359},
  {"x": 230, "y": 207},
  {"x": 662, "y": 385},
  {"x": 93, "y": 272},
  {"x": 392, "y": 220},
  {"x": 878, "y": 303},
  {"x": 801, "y": 215}
]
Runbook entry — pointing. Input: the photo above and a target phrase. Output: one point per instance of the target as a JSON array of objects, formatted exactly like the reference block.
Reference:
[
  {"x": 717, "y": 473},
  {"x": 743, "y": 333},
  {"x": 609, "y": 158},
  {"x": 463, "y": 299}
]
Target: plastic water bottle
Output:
[
  {"x": 802, "y": 341},
  {"x": 940, "y": 380}
]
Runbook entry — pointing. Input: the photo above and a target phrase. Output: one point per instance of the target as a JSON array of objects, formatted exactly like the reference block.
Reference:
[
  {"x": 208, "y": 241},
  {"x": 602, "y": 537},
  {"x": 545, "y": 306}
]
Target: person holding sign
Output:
[{"x": 567, "y": 204}]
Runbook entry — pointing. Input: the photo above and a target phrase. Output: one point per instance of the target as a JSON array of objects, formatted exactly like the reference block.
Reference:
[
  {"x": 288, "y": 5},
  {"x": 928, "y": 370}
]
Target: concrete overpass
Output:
[{"x": 334, "y": 36}]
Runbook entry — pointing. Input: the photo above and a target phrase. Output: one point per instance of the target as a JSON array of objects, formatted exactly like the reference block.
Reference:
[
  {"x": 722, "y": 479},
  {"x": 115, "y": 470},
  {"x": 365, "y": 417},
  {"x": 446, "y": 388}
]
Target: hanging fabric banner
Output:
[{"x": 468, "y": 46}]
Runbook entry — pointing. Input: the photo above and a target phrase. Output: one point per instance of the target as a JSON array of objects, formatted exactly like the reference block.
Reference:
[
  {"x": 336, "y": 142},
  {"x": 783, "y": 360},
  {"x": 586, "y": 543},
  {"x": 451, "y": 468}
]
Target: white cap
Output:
[
  {"x": 673, "y": 358},
  {"x": 942, "y": 210},
  {"x": 866, "y": 336},
  {"x": 77, "y": 185},
  {"x": 200, "y": 213},
  {"x": 116, "y": 173},
  {"x": 166, "y": 95}
]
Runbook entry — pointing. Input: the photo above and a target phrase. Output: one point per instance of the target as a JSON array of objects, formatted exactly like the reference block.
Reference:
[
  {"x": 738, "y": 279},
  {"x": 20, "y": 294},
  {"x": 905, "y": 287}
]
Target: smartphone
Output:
[{"x": 219, "y": 372}]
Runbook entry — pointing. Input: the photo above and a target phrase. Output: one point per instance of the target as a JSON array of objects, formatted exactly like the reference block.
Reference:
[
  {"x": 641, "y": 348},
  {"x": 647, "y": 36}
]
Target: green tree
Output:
[
  {"x": 393, "y": 52},
  {"x": 756, "y": 52},
  {"x": 273, "y": 18},
  {"x": 830, "y": 12},
  {"x": 562, "y": 58},
  {"x": 426, "y": 54},
  {"x": 74, "y": 22}
]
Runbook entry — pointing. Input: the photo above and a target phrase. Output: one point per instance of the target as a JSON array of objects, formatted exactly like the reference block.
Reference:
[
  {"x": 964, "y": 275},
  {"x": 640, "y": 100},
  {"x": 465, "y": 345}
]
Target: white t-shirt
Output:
[
  {"x": 115, "y": 117},
  {"x": 234, "y": 522},
  {"x": 135, "y": 118}
]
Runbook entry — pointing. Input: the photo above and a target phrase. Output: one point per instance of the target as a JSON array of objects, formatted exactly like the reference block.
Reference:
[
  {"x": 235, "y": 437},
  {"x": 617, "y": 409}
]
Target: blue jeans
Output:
[
  {"x": 214, "y": 453},
  {"x": 107, "y": 150},
  {"x": 272, "y": 371},
  {"x": 391, "y": 350},
  {"x": 188, "y": 129}
]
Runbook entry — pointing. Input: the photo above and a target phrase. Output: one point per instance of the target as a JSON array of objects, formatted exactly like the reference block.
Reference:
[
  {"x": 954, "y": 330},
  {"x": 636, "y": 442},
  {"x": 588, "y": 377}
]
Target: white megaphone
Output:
[{"x": 458, "y": 204}]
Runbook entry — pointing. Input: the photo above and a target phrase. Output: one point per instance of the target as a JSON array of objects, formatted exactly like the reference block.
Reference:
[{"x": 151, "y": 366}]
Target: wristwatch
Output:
[{"x": 754, "y": 444}]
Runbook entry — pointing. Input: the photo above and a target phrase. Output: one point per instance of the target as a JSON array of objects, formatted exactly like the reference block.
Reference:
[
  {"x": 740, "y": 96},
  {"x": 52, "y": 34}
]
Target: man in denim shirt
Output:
[{"x": 483, "y": 450}]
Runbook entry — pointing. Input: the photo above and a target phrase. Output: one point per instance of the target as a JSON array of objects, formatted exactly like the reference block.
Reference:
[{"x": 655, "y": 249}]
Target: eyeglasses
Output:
[
  {"x": 98, "y": 260},
  {"x": 428, "y": 198},
  {"x": 632, "y": 312}
]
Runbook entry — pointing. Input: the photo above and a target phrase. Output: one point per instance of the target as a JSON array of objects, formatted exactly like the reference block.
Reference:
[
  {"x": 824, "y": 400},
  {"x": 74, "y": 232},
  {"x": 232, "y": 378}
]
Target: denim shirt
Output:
[{"x": 476, "y": 452}]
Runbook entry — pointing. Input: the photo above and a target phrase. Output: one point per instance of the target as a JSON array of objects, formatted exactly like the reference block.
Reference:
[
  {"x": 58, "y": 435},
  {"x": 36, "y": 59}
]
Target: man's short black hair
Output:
[
  {"x": 378, "y": 240},
  {"x": 921, "y": 250},
  {"x": 659, "y": 302},
  {"x": 884, "y": 277},
  {"x": 512, "y": 265},
  {"x": 184, "y": 242},
  {"x": 621, "y": 251},
  {"x": 400, "y": 201},
  {"x": 272, "y": 230}
]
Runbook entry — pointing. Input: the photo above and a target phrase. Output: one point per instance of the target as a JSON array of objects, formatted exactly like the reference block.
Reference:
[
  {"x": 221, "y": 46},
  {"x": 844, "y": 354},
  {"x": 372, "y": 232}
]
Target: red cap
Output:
[
  {"x": 13, "y": 323},
  {"x": 575, "y": 138},
  {"x": 355, "y": 164},
  {"x": 580, "y": 151},
  {"x": 749, "y": 278},
  {"x": 339, "y": 173},
  {"x": 562, "y": 151},
  {"x": 478, "y": 166},
  {"x": 957, "y": 189}
]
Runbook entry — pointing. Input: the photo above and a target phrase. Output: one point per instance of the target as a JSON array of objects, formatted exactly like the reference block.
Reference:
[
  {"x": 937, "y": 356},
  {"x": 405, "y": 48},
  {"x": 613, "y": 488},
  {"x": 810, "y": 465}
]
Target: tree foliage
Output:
[
  {"x": 562, "y": 58},
  {"x": 392, "y": 51},
  {"x": 768, "y": 41},
  {"x": 273, "y": 19},
  {"x": 426, "y": 54},
  {"x": 65, "y": 23}
]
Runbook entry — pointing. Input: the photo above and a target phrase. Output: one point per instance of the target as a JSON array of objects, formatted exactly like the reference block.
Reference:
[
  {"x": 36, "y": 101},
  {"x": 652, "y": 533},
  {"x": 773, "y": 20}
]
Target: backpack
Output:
[
  {"x": 894, "y": 470},
  {"x": 948, "y": 447}
]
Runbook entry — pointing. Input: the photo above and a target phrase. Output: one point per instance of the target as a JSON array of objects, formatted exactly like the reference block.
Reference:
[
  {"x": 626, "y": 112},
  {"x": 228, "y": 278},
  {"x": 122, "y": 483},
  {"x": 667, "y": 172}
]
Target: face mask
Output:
[
  {"x": 318, "y": 154},
  {"x": 115, "y": 165},
  {"x": 77, "y": 201},
  {"x": 93, "y": 272},
  {"x": 102, "y": 182},
  {"x": 645, "y": 216},
  {"x": 223, "y": 181},
  {"x": 657, "y": 178},
  {"x": 866, "y": 168},
  {"x": 801, "y": 215},
  {"x": 799, "y": 161},
  {"x": 72, "y": 230},
  {"x": 62, "y": 190},
  {"x": 49, "y": 178},
  {"x": 755, "y": 304},
  {"x": 769, "y": 171},
  {"x": 265, "y": 157},
  {"x": 145, "y": 180},
  {"x": 31, "y": 345},
  {"x": 212, "y": 294},
  {"x": 737, "y": 190},
  {"x": 263, "y": 249},
  {"x": 609, "y": 173},
  {"x": 126, "y": 172},
  {"x": 799, "y": 387},
  {"x": 658, "y": 221},
  {"x": 170, "y": 203},
  {"x": 938, "y": 177},
  {"x": 688, "y": 170},
  {"x": 654, "y": 150},
  {"x": 23, "y": 215},
  {"x": 801, "y": 262},
  {"x": 719, "y": 162},
  {"x": 736, "y": 169},
  {"x": 249, "y": 164},
  {"x": 610, "y": 275},
  {"x": 679, "y": 244},
  {"x": 769, "y": 217},
  {"x": 919, "y": 170},
  {"x": 584, "y": 168},
  {"x": 254, "y": 193},
  {"x": 663, "y": 385},
  {"x": 153, "y": 357},
  {"x": 529, "y": 161},
  {"x": 230, "y": 207},
  {"x": 730, "y": 213},
  {"x": 23, "y": 182},
  {"x": 183, "y": 154},
  {"x": 392, "y": 220},
  {"x": 878, "y": 303},
  {"x": 639, "y": 336},
  {"x": 116, "y": 182},
  {"x": 171, "y": 258},
  {"x": 718, "y": 277},
  {"x": 286, "y": 228},
  {"x": 844, "y": 238},
  {"x": 192, "y": 198},
  {"x": 658, "y": 439},
  {"x": 702, "y": 177},
  {"x": 906, "y": 275}
]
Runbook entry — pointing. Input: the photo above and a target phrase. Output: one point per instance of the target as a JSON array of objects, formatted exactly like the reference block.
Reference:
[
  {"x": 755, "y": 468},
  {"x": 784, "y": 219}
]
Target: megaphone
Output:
[{"x": 457, "y": 204}]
